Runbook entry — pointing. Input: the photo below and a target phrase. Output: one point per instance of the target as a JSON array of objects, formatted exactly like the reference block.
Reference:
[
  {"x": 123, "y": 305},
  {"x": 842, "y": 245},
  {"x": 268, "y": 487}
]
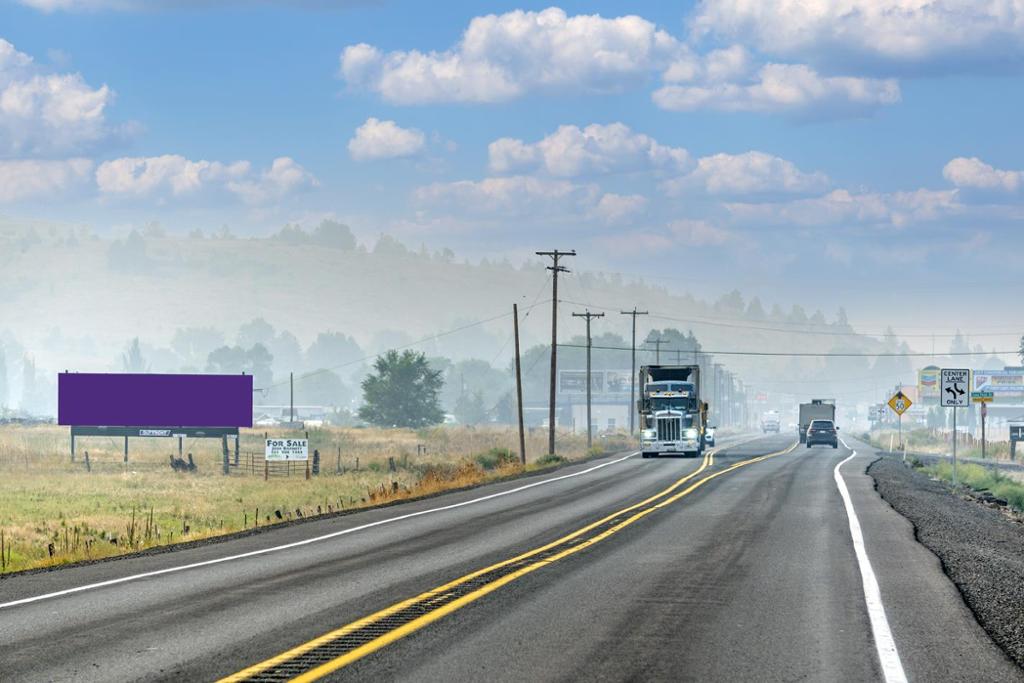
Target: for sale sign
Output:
[{"x": 287, "y": 449}]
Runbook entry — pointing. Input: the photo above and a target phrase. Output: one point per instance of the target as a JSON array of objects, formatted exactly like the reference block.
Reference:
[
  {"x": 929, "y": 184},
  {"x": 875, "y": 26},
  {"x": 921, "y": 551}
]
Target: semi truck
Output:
[
  {"x": 771, "y": 421},
  {"x": 673, "y": 418},
  {"x": 817, "y": 409}
]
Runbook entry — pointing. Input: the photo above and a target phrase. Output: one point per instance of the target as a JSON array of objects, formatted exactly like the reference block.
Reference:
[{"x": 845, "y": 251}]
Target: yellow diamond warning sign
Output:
[{"x": 900, "y": 403}]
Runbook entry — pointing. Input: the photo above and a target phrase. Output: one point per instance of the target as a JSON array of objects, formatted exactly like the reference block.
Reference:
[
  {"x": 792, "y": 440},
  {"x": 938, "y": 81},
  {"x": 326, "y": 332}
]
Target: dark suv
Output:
[{"x": 823, "y": 432}]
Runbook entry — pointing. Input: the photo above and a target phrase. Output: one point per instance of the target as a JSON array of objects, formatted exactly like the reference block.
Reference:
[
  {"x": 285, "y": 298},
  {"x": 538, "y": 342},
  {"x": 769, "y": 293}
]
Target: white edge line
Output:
[
  {"x": 888, "y": 656},
  {"x": 307, "y": 541}
]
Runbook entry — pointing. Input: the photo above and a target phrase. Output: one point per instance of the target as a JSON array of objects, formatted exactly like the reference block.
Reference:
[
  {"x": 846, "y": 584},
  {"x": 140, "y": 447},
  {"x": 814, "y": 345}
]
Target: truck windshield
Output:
[{"x": 675, "y": 403}]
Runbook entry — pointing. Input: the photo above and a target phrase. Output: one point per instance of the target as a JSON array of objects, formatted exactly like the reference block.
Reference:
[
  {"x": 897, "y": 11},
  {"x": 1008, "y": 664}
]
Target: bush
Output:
[
  {"x": 550, "y": 459},
  {"x": 496, "y": 458}
]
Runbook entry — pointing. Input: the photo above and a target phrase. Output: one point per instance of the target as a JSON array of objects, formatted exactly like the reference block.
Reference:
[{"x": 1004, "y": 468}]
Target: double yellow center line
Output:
[{"x": 338, "y": 648}]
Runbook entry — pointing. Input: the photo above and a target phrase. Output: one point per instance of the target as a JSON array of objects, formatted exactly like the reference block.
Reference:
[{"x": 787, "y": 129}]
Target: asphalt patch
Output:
[{"x": 980, "y": 548}]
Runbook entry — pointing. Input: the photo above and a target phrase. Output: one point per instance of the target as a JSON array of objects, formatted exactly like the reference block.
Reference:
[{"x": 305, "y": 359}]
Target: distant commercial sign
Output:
[
  {"x": 900, "y": 403},
  {"x": 1004, "y": 384},
  {"x": 151, "y": 400},
  {"x": 601, "y": 382},
  {"x": 1016, "y": 432},
  {"x": 280, "y": 450},
  {"x": 955, "y": 384},
  {"x": 928, "y": 382}
]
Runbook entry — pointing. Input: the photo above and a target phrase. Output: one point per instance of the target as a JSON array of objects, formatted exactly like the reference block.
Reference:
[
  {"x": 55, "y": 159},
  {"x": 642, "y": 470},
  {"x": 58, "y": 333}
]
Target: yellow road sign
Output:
[{"x": 900, "y": 403}]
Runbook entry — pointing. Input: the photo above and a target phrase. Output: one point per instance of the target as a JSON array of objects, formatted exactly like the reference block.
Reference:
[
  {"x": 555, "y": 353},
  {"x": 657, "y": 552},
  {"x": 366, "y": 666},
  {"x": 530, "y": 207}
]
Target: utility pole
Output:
[
  {"x": 632, "y": 373},
  {"x": 555, "y": 269},
  {"x": 519, "y": 387},
  {"x": 589, "y": 316},
  {"x": 291, "y": 397},
  {"x": 657, "y": 348}
]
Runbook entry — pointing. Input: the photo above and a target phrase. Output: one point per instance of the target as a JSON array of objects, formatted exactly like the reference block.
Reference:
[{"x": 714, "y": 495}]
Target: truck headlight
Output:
[
  {"x": 649, "y": 434},
  {"x": 691, "y": 433}
]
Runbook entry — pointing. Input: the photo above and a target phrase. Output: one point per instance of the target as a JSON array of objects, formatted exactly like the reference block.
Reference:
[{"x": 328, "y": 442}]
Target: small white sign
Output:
[
  {"x": 287, "y": 449},
  {"x": 955, "y": 387}
]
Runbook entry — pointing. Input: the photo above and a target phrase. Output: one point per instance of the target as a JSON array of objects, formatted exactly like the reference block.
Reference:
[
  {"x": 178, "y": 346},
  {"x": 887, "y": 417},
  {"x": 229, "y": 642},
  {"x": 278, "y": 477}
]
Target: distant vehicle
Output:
[
  {"x": 817, "y": 409},
  {"x": 672, "y": 416},
  {"x": 823, "y": 432},
  {"x": 771, "y": 421},
  {"x": 709, "y": 436}
]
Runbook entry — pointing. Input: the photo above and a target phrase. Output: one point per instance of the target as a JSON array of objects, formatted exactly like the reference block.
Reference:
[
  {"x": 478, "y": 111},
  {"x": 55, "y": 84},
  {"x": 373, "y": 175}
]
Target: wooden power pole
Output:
[
  {"x": 588, "y": 316},
  {"x": 519, "y": 387},
  {"x": 555, "y": 269},
  {"x": 632, "y": 373}
]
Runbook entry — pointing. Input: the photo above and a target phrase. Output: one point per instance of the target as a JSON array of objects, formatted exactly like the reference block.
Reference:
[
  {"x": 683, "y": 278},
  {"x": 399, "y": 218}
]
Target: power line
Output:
[{"x": 908, "y": 354}]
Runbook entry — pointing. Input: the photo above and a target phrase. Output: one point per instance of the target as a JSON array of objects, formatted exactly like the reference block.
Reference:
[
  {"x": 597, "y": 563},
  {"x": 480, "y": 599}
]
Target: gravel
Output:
[{"x": 981, "y": 548}]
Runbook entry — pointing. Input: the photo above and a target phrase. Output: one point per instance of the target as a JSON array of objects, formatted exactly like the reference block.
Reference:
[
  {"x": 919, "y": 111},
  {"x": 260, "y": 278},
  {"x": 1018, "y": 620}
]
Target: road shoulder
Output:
[{"x": 934, "y": 630}]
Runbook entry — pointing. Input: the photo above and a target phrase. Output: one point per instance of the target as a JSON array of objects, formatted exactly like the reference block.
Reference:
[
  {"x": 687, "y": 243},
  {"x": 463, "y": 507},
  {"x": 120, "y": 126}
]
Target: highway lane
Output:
[
  {"x": 216, "y": 618},
  {"x": 751, "y": 576}
]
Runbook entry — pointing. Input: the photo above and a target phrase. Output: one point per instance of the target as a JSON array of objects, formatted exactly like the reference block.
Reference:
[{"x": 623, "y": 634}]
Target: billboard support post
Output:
[
  {"x": 72, "y": 446},
  {"x": 125, "y": 449}
]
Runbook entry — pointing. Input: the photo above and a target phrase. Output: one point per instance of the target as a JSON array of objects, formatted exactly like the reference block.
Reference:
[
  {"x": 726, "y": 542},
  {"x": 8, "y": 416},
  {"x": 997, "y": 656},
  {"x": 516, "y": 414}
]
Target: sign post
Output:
[
  {"x": 900, "y": 403},
  {"x": 954, "y": 384},
  {"x": 984, "y": 398},
  {"x": 1016, "y": 434}
]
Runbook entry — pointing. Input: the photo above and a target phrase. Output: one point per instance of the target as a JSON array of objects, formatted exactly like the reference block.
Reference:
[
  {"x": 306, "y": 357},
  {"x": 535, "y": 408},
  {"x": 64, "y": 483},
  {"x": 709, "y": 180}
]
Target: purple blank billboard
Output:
[{"x": 143, "y": 400}]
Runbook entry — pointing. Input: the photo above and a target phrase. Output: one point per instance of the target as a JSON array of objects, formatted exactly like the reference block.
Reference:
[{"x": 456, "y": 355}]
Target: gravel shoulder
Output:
[{"x": 981, "y": 549}]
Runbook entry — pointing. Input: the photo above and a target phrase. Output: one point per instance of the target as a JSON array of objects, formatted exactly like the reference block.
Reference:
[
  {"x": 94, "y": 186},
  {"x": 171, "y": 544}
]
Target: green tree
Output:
[
  {"x": 3, "y": 379},
  {"x": 470, "y": 408},
  {"x": 132, "y": 360},
  {"x": 403, "y": 391}
]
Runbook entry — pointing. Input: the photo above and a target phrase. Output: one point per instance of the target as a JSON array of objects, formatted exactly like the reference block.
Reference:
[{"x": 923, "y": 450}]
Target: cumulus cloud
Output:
[
  {"x": 44, "y": 113},
  {"x": 29, "y": 179},
  {"x": 891, "y": 34},
  {"x": 378, "y": 139},
  {"x": 616, "y": 208},
  {"x": 513, "y": 195},
  {"x": 177, "y": 176},
  {"x": 699, "y": 233},
  {"x": 748, "y": 173},
  {"x": 975, "y": 173},
  {"x": 501, "y": 57},
  {"x": 896, "y": 209},
  {"x": 597, "y": 149},
  {"x": 691, "y": 233},
  {"x": 778, "y": 88}
]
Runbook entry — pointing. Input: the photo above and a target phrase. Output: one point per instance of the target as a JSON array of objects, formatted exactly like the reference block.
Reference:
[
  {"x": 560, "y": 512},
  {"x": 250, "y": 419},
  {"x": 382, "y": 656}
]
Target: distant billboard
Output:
[
  {"x": 606, "y": 383},
  {"x": 928, "y": 382},
  {"x": 89, "y": 399},
  {"x": 1004, "y": 384}
]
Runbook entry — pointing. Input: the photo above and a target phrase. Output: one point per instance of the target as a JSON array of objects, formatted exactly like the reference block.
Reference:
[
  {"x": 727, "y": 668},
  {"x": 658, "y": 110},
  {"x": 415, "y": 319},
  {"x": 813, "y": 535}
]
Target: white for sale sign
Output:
[
  {"x": 955, "y": 390},
  {"x": 287, "y": 449}
]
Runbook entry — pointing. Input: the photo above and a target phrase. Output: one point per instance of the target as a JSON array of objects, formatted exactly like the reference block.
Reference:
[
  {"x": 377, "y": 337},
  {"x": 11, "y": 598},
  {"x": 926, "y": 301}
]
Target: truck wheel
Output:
[
  {"x": 645, "y": 455},
  {"x": 835, "y": 445}
]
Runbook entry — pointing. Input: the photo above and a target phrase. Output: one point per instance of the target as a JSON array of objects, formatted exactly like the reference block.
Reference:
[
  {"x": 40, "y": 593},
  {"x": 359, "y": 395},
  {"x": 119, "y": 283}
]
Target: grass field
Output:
[{"x": 53, "y": 511}]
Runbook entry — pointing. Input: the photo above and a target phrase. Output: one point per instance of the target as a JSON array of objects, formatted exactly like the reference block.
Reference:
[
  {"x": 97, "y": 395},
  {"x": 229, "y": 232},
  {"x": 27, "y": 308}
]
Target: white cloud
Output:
[
  {"x": 501, "y": 57},
  {"x": 699, "y": 233},
  {"x": 975, "y": 173},
  {"x": 616, "y": 208},
  {"x": 780, "y": 88},
  {"x": 178, "y": 176},
  {"x": 748, "y": 173},
  {"x": 283, "y": 177},
  {"x": 26, "y": 179},
  {"x": 378, "y": 139},
  {"x": 47, "y": 113},
  {"x": 513, "y": 195},
  {"x": 571, "y": 151},
  {"x": 886, "y": 33},
  {"x": 896, "y": 209}
]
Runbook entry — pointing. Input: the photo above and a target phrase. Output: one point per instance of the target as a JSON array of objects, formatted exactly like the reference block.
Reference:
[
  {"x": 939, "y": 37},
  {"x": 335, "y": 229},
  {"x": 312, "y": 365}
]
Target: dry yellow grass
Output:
[{"x": 53, "y": 511}]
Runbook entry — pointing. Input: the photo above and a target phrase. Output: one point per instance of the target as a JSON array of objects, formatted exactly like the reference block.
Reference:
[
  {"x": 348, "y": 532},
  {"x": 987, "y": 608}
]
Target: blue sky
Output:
[{"x": 812, "y": 152}]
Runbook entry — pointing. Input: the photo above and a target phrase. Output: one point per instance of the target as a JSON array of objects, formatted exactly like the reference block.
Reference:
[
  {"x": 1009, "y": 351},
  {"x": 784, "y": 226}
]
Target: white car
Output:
[{"x": 709, "y": 436}]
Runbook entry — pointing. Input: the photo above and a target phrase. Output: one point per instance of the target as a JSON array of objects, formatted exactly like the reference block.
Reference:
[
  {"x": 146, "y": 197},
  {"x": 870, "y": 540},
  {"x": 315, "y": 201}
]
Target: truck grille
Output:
[{"x": 668, "y": 429}]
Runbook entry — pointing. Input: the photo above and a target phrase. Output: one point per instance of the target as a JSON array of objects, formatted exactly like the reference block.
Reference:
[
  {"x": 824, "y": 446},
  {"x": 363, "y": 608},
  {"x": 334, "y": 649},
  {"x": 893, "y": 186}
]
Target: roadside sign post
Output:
[
  {"x": 900, "y": 403},
  {"x": 953, "y": 394},
  {"x": 1016, "y": 434},
  {"x": 984, "y": 398}
]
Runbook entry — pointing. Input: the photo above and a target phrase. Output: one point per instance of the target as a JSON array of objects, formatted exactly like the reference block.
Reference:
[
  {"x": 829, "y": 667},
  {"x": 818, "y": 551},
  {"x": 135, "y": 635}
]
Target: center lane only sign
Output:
[
  {"x": 281, "y": 450},
  {"x": 954, "y": 391}
]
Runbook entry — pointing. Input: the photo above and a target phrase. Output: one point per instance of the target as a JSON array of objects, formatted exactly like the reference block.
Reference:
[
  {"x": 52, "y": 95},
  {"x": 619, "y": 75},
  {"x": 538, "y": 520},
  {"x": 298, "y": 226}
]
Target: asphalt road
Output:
[{"x": 751, "y": 575}]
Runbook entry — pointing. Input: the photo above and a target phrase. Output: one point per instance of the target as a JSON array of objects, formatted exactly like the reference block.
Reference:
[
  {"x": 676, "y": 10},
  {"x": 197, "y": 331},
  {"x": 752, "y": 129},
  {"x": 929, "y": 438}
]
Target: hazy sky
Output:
[{"x": 858, "y": 152}]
